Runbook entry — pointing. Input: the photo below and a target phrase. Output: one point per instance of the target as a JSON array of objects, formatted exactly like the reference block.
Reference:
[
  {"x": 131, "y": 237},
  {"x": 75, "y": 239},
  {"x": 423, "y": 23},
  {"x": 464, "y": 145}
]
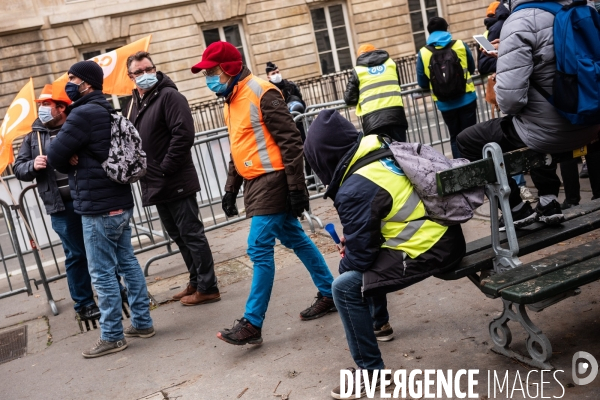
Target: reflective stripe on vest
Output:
[
  {"x": 378, "y": 87},
  {"x": 253, "y": 149},
  {"x": 461, "y": 52},
  {"x": 405, "y": 227}
]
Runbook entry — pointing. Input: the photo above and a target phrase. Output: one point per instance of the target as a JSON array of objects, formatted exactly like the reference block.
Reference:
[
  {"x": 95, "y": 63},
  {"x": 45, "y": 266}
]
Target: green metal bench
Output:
[{"x": 493, "y": 265}]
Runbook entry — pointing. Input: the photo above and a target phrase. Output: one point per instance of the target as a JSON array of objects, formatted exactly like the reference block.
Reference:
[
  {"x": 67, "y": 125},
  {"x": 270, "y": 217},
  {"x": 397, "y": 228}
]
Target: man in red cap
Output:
[
  {"x": 53, "y": 188},
  {"x": 266, "y": 155}
]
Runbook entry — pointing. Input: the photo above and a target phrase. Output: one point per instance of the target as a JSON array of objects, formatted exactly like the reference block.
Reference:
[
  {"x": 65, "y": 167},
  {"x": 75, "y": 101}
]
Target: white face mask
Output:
[{"x": 275, "y": 78}]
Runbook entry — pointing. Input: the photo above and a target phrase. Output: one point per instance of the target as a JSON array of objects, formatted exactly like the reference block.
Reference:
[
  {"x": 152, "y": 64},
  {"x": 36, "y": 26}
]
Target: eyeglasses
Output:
[
  {"x": 139, "y": 72},
  {"x": 212, "y": 72}
]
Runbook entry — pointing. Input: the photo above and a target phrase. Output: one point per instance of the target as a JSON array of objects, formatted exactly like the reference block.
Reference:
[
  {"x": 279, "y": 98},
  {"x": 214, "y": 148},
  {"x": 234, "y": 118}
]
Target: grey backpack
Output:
[
  {"x": 126, "y": 162},
  {"x": 420, "y": 164}
]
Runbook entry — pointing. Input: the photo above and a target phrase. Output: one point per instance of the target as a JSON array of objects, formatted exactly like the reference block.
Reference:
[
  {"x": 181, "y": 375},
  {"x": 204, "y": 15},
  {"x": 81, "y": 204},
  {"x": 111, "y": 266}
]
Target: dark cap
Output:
[
  {"x": 271, "y": 67},
  {"x": 89, "y": 72}
]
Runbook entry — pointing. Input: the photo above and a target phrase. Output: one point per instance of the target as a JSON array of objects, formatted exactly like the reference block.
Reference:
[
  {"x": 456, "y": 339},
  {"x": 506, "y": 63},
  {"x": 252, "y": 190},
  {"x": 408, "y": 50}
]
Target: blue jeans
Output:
[
  {"x": 264, "y": 229},
  {"x": 357, "y": 320},
  {"x": 378, "y": 309},
  {"x": 108, "y": 246},
  {"x": 67, "y": 226}
]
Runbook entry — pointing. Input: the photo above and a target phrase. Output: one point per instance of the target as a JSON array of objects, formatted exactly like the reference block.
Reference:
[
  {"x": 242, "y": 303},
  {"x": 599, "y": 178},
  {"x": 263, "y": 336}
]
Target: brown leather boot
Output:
[
  {"x": 185, "y": 292},
  {"x": 200, "y": 298}
]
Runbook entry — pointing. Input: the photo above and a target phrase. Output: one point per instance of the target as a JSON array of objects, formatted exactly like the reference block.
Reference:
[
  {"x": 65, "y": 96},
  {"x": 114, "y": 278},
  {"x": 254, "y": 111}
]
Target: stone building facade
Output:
[{"x": 305, "y": 38}]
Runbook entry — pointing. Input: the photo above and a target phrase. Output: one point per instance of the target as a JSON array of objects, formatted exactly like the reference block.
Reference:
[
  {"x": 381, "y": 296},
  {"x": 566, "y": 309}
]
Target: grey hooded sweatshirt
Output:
[{"x": 527, "y": 53}]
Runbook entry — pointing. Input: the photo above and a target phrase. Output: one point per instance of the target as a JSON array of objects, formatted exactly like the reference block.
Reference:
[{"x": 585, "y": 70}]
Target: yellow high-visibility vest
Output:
[
  {"x": 461, "y": 52},
  {"x": 378, "y": 87},
  {"x": 406, "y": 227}
]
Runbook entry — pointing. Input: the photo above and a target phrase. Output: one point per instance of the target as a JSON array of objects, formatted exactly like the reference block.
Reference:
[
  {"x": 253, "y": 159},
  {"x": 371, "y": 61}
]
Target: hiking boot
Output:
[
  {"x": 102, "y": 348},
  {"x": 143, "y": 333},
  {"x": 550, "y": 214},
  {"x": 89, "y": 312},
  {"x": 526, "y": 194},
  {"x": 525, "y": 216},
  {"x": 200, "y": 298},
  {"x": 584, "y": 171},
  {"x": 385, "y": 333},
  {"x": 185, "y": 292},
  {"x": 242, "y": 333},
  {"x": 321, "y": 307},
  {"x": 566, "y": 205},
  {"x": 337, "y": 392}
]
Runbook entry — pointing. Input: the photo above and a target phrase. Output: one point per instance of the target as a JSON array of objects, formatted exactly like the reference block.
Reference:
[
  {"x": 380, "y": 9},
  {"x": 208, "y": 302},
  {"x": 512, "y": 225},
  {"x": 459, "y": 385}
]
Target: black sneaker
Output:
[
  {"x": 584, "y": 171},
  {"x": 337, "y": 392},
  {"x": 566, "y": 205},
  {"x": 321, "y": 307},
  {"x": 90, "y": 312},
  {"x": 525, "y": 216},
  {"x": 242, "y": 333},
  {"x": 550, "y": 214},
  {"x": 385, "y": 333}
]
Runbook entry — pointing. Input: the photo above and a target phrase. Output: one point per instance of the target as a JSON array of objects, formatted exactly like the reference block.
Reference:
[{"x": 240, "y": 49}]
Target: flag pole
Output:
[{"x": 34, "y": 243}]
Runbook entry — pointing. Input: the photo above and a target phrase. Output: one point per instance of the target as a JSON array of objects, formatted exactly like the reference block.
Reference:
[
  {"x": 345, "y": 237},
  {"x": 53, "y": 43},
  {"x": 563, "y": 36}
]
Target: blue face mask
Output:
[
  {"x": 146, "y": 81},
  {"x": 213, "y": 84},
  {"x": 45, "y": 114},
  {"x": 72, "y": 90}
]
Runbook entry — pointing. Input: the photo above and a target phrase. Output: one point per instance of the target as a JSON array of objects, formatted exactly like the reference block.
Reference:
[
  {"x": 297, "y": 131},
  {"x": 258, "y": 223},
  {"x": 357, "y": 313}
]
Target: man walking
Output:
[
  {"x": 163, "y": 118},
  {"x": 374, "y": 88},
  {"x": 445, "y": 66},
  {"x": 53, "y": 189},
  {"x": 106, "y": 207},
  {"x": 266, "y": 155}
]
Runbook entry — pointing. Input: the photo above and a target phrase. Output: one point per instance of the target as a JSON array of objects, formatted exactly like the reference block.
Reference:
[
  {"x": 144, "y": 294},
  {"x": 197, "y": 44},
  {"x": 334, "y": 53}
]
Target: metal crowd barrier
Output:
[{"x": 210, "y": 154}]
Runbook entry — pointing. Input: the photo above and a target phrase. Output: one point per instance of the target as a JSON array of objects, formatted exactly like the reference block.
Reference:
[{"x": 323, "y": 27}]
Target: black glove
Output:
[
  {"x": 298, "y": 202},
  {"x": 228, "y": 204}
]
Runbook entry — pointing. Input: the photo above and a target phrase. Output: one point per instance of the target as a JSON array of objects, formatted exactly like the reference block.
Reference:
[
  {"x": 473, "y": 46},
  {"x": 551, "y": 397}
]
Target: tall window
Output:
[
  {"x": 421, "y": 11},
  {"x": 331, "y": 33},
  {"x": 228, "y": 33}
]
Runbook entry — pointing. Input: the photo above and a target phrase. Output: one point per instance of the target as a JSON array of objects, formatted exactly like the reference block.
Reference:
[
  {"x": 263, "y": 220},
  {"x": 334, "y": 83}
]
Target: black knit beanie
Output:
[
  {"x": 271, "y": 67},
  {"x": 328, "y": 139},
  {"x": 437, "y": 24},
  {"x": 89, "y": 72}
]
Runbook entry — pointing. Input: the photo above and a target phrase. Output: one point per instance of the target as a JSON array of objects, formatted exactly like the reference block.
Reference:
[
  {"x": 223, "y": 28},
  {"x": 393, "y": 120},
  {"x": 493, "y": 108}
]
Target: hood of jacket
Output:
[
  {"x": 372, "y": 58},
  {"x": 96, "y": 97},
  {"x": 512, "y": 4},
  {"x": 501, "y": 14},
  {"x": 163, "y": 82},
  {"x": 38, "y": 126},
  {"x": 439, "y": 38},
  {"x": 329, "y": 138}
]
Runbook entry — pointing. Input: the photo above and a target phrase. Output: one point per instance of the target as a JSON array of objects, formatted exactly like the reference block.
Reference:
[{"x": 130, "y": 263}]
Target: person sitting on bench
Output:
[
  {"x": 389, "y": 243},
  {"x": 527, "y": 63}
]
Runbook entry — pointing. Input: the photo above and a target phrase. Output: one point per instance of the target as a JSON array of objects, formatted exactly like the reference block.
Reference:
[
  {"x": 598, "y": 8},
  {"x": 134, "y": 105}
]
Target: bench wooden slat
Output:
[
  {"x": 496, "y": 283},
  {"x": 573, "y": 212},
  {"x": 536, "y": 241},
  {"x": 554, "y": 283}
]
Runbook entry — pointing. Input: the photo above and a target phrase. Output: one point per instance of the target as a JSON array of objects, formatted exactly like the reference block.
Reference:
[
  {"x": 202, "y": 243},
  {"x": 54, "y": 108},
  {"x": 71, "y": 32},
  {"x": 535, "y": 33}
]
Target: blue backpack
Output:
[{"x": 576, "y": 86}]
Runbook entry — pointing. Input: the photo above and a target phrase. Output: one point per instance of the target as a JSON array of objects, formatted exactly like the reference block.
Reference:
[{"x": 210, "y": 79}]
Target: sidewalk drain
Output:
[{"x": 13, "y": 344}]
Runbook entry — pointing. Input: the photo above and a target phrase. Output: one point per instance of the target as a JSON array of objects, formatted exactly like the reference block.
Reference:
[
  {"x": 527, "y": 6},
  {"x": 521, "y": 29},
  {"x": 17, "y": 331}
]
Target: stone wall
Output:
[{"x": 44, "y": 41}]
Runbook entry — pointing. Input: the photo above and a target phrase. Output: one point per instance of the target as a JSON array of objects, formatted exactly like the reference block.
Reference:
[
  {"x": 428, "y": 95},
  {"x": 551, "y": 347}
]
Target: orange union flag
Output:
[
  {"x": 19, "y": 117},
  {"x": 114, "y": 65}
]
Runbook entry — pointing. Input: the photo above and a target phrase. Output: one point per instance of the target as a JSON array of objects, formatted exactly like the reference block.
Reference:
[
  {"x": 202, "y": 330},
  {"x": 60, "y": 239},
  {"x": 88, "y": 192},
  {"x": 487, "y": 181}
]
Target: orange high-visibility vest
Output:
[{"x": 253, "y": 149}]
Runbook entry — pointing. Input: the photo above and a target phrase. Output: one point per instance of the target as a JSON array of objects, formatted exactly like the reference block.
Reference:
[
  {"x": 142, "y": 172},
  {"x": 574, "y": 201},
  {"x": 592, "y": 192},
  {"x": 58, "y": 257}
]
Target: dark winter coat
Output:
[
  {"x": 268, "y": 193},
  {"x": 384, "y": 117},
  {"x": 45, "y": 178},
  {"x": 487, "y": 64},
  {"x": 164, "y": 120},
  {"x": 86, "y": 133},
  {"x": 290, "y": 91}
]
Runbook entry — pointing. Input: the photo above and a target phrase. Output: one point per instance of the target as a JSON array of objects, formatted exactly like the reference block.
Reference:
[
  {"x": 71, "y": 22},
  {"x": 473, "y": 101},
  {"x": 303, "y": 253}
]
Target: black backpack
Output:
[{"x": 446, "y": 74}]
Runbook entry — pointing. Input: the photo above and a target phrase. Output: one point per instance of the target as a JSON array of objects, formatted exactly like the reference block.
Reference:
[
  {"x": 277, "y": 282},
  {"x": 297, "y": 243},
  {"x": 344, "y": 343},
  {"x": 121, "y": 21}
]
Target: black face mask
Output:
[{"x": 72, "y": 90}]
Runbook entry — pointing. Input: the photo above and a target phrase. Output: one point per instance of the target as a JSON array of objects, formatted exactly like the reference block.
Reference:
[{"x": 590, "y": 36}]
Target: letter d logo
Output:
[{"x": 583, "y": 367}]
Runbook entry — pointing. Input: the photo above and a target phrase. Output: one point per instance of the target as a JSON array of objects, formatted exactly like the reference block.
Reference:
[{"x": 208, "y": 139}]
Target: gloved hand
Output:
[
  {"x": 298, "y": 202},
  {"x": 228, "y": 204}
]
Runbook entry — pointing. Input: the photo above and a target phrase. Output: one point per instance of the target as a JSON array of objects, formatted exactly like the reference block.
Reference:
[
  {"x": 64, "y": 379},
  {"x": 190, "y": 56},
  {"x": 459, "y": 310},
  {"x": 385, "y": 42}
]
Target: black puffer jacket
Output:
[
  {"x": 164, "y": 121},
  {"x": 86, "y": 133},
  {"x": 45, "y": 178},
  {"x": 382, "y": 117}
]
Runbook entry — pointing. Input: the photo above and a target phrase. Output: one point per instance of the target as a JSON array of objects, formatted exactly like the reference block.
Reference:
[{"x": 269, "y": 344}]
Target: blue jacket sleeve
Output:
[
  {"x": 73, "y": 136},
  {"x": 470, "y": 60},
  {"x": 422, "y": 79},
  {"x": 361, "y": 205}
]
